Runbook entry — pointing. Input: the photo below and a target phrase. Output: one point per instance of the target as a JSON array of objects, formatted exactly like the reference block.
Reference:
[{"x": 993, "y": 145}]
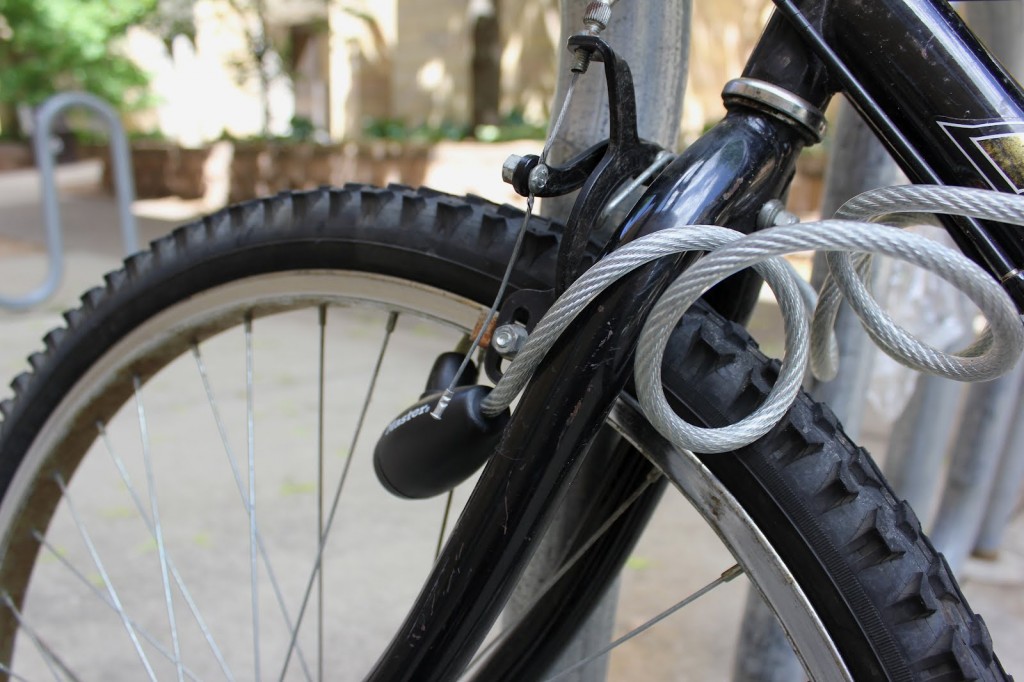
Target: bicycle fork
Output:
[{"x": 725, "y": 178}]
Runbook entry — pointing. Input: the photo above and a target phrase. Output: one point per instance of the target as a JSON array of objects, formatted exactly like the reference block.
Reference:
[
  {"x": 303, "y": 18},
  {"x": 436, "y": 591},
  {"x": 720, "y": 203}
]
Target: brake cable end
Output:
[{"x": 442, "y": 404}]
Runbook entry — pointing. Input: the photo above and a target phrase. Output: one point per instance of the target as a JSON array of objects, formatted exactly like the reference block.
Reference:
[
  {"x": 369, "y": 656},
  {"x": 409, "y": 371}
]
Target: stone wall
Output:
[{"x": 228, "y": 172}]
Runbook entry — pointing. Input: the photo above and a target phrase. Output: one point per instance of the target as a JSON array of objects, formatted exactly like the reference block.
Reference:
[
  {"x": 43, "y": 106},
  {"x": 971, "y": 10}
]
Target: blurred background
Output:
[{"x": 229, "y": 99}]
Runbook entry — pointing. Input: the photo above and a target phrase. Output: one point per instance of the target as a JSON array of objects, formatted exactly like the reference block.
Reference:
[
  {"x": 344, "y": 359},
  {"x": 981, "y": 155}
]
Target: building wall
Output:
[
  {"x": 723, "y": 35},
  {"x": 530, "y": 32},
  {"x": 200, "y": 92},
  {"x": 430, "y": 74},
  {"x": 362, "y": 44},
  {"x": 407, "y": 60}
]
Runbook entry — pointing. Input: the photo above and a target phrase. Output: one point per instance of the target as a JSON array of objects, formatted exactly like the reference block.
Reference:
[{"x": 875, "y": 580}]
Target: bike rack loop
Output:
[{"x": 123, "y": 183}]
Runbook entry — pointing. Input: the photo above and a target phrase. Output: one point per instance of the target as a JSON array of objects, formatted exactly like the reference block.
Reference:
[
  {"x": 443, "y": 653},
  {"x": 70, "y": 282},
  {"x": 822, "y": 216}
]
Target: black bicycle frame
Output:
[
  {"x": 948, "y": 112},
  {"x": 941, "y": 104}
]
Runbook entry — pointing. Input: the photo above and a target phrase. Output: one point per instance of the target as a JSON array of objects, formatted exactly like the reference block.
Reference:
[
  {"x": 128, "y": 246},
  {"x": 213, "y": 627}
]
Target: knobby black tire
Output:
[{"x": 885, "y": 594}]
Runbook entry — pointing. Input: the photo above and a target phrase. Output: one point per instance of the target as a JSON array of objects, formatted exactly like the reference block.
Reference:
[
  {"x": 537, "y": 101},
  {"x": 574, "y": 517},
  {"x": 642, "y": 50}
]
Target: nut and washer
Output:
[{"x": 509, "y": 339}]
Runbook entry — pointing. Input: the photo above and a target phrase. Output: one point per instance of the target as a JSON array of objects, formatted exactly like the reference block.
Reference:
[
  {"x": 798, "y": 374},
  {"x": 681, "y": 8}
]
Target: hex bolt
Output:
[
  {"x": 508, "y": 168},
  {"x": 509, "y": 339},
  {"x": 774, "y": 214}
]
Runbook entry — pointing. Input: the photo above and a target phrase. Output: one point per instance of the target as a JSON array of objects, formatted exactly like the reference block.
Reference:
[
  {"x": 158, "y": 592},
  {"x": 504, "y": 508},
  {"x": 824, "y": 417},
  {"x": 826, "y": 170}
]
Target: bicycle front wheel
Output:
[{"x": 151, "y": 512}]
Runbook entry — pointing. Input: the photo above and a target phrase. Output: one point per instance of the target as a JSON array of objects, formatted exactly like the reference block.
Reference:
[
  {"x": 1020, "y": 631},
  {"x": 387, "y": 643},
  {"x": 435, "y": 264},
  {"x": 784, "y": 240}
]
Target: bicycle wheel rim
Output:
[
  {"x": 169, "y": 333},
  {"x": 147, "y": 349}
]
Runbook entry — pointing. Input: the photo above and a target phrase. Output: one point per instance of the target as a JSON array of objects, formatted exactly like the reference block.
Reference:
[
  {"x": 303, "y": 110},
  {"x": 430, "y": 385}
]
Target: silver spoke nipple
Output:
[{"x": 732, "y": 573}]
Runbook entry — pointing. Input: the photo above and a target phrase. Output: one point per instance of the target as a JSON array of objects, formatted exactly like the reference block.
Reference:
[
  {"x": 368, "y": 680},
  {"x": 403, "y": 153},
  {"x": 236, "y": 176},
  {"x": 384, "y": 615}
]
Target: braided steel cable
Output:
[{"x": 730, "y": 251}]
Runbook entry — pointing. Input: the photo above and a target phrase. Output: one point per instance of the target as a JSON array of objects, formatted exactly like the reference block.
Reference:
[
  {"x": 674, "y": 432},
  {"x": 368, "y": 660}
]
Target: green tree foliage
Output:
[{"x": 48, "y": 46}]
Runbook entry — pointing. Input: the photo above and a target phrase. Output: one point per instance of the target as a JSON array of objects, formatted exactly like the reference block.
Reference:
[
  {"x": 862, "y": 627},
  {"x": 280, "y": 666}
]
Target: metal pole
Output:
[
  {"x": 1009, "y": 483},
  {"x": 654, "y": 39},
  {"x": 858, "y": 162},
  {"x": 919, "y": 440},
  {"x": 123, "y": 183},
  {"x": 979, "y": 444}
]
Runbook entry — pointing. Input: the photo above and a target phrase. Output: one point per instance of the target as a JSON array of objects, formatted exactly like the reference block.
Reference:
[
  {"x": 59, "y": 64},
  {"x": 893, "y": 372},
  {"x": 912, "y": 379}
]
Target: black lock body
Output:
[{"x": 419, "y": 456}]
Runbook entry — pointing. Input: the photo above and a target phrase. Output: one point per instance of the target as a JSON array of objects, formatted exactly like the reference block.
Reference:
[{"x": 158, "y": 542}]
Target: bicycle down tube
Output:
[{"x": 810, "y": 50}]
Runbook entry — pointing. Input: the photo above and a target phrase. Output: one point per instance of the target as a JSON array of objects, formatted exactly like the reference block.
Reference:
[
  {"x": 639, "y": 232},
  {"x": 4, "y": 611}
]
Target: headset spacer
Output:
[{"x": 779, "y": 102}]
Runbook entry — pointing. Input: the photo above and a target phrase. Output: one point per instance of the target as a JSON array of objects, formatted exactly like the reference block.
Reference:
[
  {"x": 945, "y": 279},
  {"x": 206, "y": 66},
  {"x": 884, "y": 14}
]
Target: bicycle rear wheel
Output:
[{"x": 231, "y": 584}]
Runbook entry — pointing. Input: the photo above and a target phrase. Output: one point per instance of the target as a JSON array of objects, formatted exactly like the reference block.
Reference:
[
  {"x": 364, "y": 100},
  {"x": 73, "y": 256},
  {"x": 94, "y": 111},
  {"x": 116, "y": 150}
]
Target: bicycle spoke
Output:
[
  {"x": 105, "y": 576},
  {"x": 275, "y": 585},
  {"x": 444, "y": 524},
  {"x": 11, "y": 674},
  {"x": 729, "y": 574},
  {"x": 47, "y": 653},
  {"x": 158, "y": 531},
  {"x": 389, "y": 329},
  {"x": 105, "y": 599},
  {"x": 250, "y": 423},
  {"x": 567, "y": 565},
  {"x": 179, "y": 581},
  {"x": 462, "y": 347},
  {"x": 322, "y": 314}
]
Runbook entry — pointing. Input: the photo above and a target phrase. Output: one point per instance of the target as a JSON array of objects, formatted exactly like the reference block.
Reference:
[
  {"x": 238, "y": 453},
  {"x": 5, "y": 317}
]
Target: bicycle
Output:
[{"x": 806, "y": 514}]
